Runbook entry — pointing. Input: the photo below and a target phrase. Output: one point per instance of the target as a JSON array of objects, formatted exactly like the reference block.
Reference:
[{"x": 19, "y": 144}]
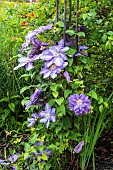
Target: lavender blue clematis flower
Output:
[
  {"x": 80, "y": 51},
  {"x": 47, "y": 115},
  {"x": 52, "y": 70},
  {"x": 78, "y": 148},
  {"x": 13, "y": 158},
  {"x": 33, "y": 119},
  {"x": 66, "y": 75},
  {"x": 4, "y": 162},
  {"x": 32, "y": 34},
  {"x": 25, "y": 61},
  {"x": 34, "y": 98},
  {"x": 55, "y": 54},
  {"x": 80, "y": 104}
]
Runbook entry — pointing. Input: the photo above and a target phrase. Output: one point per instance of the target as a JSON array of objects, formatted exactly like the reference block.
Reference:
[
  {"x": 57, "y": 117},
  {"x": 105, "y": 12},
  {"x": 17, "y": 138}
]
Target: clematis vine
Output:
[
  {"x": 34, "y": 98},
  {"x": 80, "y": 104},
  {"x": 47, "y": 115}
]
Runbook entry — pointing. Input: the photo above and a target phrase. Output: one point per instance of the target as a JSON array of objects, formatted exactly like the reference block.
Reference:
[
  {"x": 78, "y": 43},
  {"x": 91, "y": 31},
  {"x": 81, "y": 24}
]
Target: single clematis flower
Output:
[
  {"x": 78, "y": 148},
  {"x": 55, "y": 54},
  {"x": 80, "y": 104},
  {"x": 47, "y": 115},
  {"x": 52, "y": 70},
  {"x": 32, "y": 34},
  {"x": 34, "y": 98},
  {"x": 25, "y": 61},
  {"x": 66, "y": 75},
  {"x": 13, "y": 158},
  {"x": 80, "y": 51},
  {"x": 32, "y": 120}
]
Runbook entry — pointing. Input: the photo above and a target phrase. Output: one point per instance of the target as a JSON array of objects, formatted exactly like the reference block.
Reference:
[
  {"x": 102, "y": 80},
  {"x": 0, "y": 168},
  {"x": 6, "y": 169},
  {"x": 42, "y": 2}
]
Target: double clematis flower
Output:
[{"x": 80, "y": 104}]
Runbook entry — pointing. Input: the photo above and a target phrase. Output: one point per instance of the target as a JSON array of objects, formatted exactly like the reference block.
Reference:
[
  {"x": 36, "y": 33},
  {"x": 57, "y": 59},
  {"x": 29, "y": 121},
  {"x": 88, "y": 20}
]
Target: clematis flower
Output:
[
  {"x": 32, "y": 34},
  {"x": 80, "y": 51},
  {"x": 34, "y": 98},
  {"x": 66, "y": 75},
  {"x": 37, "y": 46},
  {"x": 80, "y": 104},
  {"x": 13, "y": 158},
  {"x": 47, "y": 115},
  {"x": 25, "y": 61},
  {"x": 32, "y": 120},
  {"x": 52, "y": 70},
  {"x": 78, "y": 148},
  {"x": 4, "y": 162},
  {"x": 48, "y": 153},
  {"x": 55, "y": 54}
]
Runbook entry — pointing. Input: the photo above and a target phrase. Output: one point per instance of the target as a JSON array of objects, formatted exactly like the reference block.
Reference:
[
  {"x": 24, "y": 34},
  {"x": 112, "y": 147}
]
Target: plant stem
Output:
[
  {"x": 70, "y": 10},
  {"x": 77, "y": 8},
  {"x": 64, "y": 22},
  {"x": 57, "y": 10}
]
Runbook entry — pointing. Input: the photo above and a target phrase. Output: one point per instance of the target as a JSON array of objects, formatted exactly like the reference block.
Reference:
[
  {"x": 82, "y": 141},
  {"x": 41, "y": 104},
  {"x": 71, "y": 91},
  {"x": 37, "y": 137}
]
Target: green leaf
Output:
[
  {"x": 71, "y": 32},
  {"x": 34, "y": 138},
  {"x": 81, "y": 34},
  {"x": 59, "y": 101},
  {"x": 55, "y": 94},
  {"x": 58, "y": 129},
  {"x": 110, "y": 32},
  {"x": 67, "y": 93},
  {"x": 24, "y": 89},
  {"x": 53, "y": 87},
  {"x": 101, "y": 108},
  {"x": 70, "y": 52},
  {"x": 44, "y": 156},
  {"x": 93, "y": 94},
  {"x": 100, "y": 100},
  {"x": 84, "y": 16},
  {"x": 12, "y": 106},
  {"x": 60, "y": 23},
  {"x": 66, "y": 122},
  {"x": 84, "y": 60}
]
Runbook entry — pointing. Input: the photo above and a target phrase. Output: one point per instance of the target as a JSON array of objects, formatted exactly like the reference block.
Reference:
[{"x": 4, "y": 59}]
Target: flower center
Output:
[
  {"x": 42, "y": 48},
  {"x": 55, "y": 55},
  {"x": 28, "y": 60},
  {"x": 48, "y": 115},
  {"x": 79, "y": 102},
  {"x": 53, "y": 67}
]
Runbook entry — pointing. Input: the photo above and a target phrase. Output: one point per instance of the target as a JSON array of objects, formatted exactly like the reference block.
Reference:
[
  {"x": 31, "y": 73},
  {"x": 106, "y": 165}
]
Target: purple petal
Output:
[
  {"x": 61, "y": 43},
  {"x": 47, "y": 124},
  {"x": 29, "y": 66},
  {"x": 47, "y": 74},
  {"x": 44, "y": 120},
  {"x": 52, "y": 118},
  {"x": 53, "y": 75},
  {"x": 66, "y": 75},
  {"x": 78, "y": 148},
  {"x": 63, "y": 50},
  {"x": 42, "y": 114},
  {"x": 47, "y": 107},
  {"x": 20, "y": 65}
]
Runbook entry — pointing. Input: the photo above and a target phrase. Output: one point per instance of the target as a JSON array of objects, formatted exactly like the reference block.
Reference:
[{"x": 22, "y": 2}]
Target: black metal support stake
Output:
[
  {"x": 64, "y": 22},
  {"x": 57, "y": 10},
  {"x": 70, "y": 10},
  {"x": 77, "y": 8}
]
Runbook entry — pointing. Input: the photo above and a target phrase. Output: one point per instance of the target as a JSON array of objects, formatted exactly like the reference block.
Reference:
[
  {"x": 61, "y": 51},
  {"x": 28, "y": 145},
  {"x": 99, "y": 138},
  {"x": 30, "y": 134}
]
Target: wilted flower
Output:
[
  {"x": 80, "y": 104},
  {"x": 25, "y": 61},
  {"x": 55, "y": 54},
  {"x": 66, "y": 75},
  {"x": 47, "y": 115},
  {"x": 32, "y": 120},
  {"x": 34, "y": 98},
  {"x": 80, "y": 51},
  {"x": 70, "y": 42},
  {"x": 52, "y": 70},
  {"x": 13, "y": 158},
  {"x": 78, "y": 148}
]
